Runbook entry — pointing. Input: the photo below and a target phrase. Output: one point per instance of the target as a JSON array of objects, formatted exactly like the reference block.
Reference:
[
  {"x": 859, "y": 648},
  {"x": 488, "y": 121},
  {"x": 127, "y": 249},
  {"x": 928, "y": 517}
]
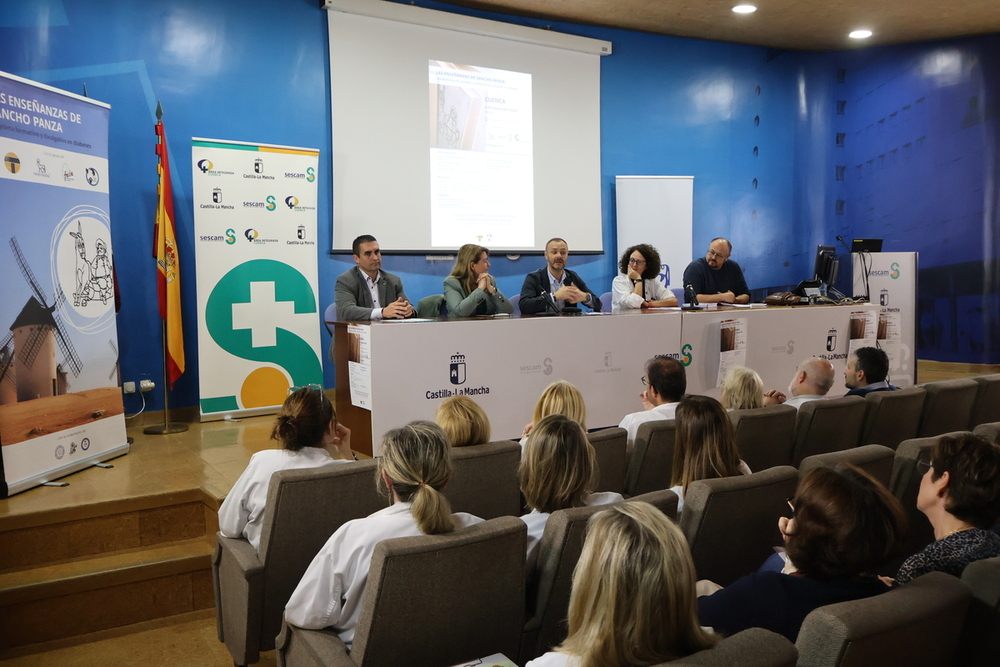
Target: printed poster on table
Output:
[
  {"x": 60, "y": 404},
  {"x": 863, "y": 329},
  {"x": 732, "y": 346},
  {"x": 359, "y": 365},
  {"x": 255, "y": 253}
]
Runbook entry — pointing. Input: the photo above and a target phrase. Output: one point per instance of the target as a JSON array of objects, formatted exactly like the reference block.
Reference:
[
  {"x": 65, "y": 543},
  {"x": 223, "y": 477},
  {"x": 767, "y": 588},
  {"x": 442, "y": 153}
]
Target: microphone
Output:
[
  {"x": 843, "y": 243},
  {"x": 690, "y": 295},
  {"x": 550, "y": 302}
]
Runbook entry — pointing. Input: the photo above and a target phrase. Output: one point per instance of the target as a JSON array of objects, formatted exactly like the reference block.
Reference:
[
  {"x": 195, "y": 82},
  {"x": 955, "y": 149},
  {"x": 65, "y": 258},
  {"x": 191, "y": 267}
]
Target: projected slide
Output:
[{"x": 482, "y": 179}]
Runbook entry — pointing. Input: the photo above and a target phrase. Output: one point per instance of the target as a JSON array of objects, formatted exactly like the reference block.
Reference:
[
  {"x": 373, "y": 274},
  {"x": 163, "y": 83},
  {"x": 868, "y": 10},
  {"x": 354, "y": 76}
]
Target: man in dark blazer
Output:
[
  {"x": 555, "y": 286},
  {"x": 366, "y": 292},
  {"x": 866, "y": 372}
]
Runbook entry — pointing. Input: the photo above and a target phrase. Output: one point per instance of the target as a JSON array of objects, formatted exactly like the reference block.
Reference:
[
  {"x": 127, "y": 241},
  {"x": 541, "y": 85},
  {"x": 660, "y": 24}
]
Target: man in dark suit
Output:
[
  {"x": 366, "y": 292},
  {"x": 555, "y": 284},
  {"x": 866, "y": 372}
]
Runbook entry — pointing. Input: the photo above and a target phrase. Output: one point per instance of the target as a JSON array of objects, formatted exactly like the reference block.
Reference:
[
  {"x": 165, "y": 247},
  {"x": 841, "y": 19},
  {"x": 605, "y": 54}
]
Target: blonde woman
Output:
[
  {"x": 310, "y": 436},
  {"x": 704, "y": 445},
  {"x": 414, "y": 466},
  {"x": 558, "y": 471},
  {"x": 470, "y": 289},
  {"x": 742, "y": 389},
  {"x": 633, "y": 601},
  {"x": 463, "y": 421},
  {"x": 559, "y": 398}
]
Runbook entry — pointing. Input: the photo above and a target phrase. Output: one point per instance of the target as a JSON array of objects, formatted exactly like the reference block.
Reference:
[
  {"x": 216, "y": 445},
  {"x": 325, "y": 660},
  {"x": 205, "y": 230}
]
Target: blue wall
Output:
[{"x": 257, "y": 71}]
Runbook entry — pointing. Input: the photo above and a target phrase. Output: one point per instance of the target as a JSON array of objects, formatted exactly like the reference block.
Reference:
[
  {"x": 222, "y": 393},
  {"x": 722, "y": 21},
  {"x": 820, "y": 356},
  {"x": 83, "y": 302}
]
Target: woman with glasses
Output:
[
  {"x": 470, "y": 289},
  {"x": 638, "y": 284},
  {"x": 310, "y": 435},
  {"x": 844, "y": 524},
  {"x": 414, "y": 465},
  {"x": 960, "y": 494}
]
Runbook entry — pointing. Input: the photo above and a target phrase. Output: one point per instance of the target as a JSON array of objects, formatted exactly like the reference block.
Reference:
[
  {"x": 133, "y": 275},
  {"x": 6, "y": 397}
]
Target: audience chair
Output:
[
  {"x": 987, "y": 406},
  {"x": 828, "y": 425},
  {"x": 304, "y": 507},
  {"x": 329, "y": 316},
  {"x": 732, "y": 523},
  {"x": 606, "y": 302},
  {"x": 764, "y": 436},
  {"x": 980, "y": 645},
  {"x": 905, "y": 485},
  {"x": 755, "y": 647},
  {"x": 550, "y": 584},
  {"x": 515, "y": 300},
  {"x": 916, "y": 625},
  {"x": 610, "y": 446},
  {"x": 876, "y": 460},
  {"x": 948, "y": 406},
  {"x": 430, "y": 306},
  {"x": 652, "y": 459},
  {"x": 989, "y": 431},
  {"x": 892, "y": 416},
  {"x": 484, "y": 480},
  {"x": 430, "y": 600}
]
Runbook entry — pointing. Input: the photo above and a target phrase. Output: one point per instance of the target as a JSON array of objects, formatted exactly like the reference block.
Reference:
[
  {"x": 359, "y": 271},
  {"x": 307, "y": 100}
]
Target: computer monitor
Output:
[{"x": 826, "y": 265}]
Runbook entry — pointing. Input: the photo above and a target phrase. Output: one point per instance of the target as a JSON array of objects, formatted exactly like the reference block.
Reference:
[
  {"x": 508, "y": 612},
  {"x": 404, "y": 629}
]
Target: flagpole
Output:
[{"x": 167, "y": 426}]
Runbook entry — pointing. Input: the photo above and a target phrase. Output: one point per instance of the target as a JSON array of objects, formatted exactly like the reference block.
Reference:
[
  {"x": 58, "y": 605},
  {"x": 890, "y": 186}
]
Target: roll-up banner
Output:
[
  {"x": 257, "y": 268},
  {"x": 60, "y": 404}
]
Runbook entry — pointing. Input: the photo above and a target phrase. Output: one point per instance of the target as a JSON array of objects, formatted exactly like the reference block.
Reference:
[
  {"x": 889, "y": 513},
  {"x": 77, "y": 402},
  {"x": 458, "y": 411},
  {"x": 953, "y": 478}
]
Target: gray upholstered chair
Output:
[
  {"x": 980, "y": 645},
  {"x": 987, "y": 406},
  {"x": 304, "y": 507},
  {"x": 755, "y": 647},
  {"x": 652, "y": 460},
  {"x": 892, "y": 416},
  {"x": 905, "y": 485},
  {"x": 484, "y": 480},
  {"x": 430, "y": 600},
  {"x": 430, "y": 306},
  {"x": 948, "y": 406},
  {"x": 916, "y": 625},
  {"x": 876, "y": 460},
  {"x": 732, "y": 523},
  {"x": 764, "y": 436},
  {"x": 989, "y": 431},
  {"x": 828, "y": 425},
  {"x": 549, "y": 586},
  {"x": 610, "y": 446}
]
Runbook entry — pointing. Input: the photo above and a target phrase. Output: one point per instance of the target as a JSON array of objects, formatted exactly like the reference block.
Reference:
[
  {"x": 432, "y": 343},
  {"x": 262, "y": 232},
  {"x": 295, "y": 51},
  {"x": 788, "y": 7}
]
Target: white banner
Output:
[
  {"x": 60, "y": 406},
  {"x": 892, "y": 284},
  {"x": 256, "y": 267}
]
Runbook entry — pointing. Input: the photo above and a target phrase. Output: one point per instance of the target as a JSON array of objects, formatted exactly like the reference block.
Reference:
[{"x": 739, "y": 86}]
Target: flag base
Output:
[{"x": 165, "y": 428}]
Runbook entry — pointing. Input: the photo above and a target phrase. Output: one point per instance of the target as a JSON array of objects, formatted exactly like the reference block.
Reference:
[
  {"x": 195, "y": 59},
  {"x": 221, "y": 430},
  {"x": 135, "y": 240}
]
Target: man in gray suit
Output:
[{"x": 366, "y": 292}]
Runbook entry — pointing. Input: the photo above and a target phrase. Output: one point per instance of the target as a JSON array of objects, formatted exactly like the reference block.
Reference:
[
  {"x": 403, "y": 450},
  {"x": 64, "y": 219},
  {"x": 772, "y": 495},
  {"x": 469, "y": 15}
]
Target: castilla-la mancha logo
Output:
[
  {"x": 831, "y": 340},
  {"x": 456, "y": 372}
]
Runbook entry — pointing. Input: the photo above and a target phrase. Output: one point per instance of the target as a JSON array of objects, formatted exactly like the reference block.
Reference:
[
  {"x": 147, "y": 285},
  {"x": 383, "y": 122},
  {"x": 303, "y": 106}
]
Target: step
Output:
[{"x": 84, "y": 595}]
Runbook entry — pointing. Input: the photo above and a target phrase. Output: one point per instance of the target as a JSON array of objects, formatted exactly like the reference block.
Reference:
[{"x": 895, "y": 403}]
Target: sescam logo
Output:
[
  {"x": 215, "y": 238},
  {"x": 258, "y": 171},
  {"x": 686, "y": 354},
  {"x": 269, "y": 203},
  {"x": 895, "y": 270},
  {"x": 545, "y": 368},
  {"x": 457, "y": 376},
  {"x": 230, "y": 236},
  {"x": 309, "y": 174},
  {"x": 208, "y": 167}
]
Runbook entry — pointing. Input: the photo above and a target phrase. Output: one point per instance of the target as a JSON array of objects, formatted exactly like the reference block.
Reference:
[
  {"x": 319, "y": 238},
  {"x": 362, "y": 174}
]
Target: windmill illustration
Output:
[{"x": 35, "y": 334}]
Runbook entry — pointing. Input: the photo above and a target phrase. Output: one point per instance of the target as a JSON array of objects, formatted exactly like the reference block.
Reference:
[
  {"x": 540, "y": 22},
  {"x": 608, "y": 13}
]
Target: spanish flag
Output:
[{"x": 167, "y": 263}]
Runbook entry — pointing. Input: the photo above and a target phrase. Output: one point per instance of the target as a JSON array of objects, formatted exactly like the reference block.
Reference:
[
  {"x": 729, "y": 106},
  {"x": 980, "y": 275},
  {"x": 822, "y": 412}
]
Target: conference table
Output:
[{"x": 391, "y": 372}]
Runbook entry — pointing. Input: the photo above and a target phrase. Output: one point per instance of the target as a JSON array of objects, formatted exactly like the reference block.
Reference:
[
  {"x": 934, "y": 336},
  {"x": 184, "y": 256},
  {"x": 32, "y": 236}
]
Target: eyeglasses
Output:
[
  {"x": 791, "y": 504},
  {"x": 924, "y": 466},
  {"x": 712, "y": 253},
  {"x": 636, "y": 262},
  {"x": 292, "y": 390},
  {"x": 645, "y": 382}
]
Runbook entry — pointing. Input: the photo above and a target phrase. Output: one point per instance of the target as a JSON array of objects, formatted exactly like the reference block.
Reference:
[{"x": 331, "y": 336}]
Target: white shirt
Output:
[
  {"x": 622, "y": 296},
  {"x": 331, "y": 592},
  {"x": 658, "y": 413},
  {"x": 679, "y": 490},
  {"x": 554, "y": 659},
  {"x": 242, "y": 512},
  {"x": 372, "y": 285},
  {"x": 536, "y": 521},
  {"x": 797, "y": 401}
]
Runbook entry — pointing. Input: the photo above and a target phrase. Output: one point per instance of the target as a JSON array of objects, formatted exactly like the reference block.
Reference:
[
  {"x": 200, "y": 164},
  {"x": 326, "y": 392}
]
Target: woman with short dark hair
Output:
[
  {"x": 844, "y": 524},
  {"x": 638, "y": 285},
  {"x": 960, "y": 494}
]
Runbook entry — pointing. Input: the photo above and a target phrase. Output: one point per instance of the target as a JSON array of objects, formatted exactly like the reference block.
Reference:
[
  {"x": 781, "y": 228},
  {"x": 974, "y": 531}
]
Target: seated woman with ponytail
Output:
[
  {"x": 414, "y": 466},
  {"x": 307, "y": 428}
]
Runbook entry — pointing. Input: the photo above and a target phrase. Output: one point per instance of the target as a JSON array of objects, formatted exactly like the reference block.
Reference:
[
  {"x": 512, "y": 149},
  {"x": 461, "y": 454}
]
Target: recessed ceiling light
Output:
[
  {"x": 860, "y": 34},
  {"x": 744, "y": 9}
]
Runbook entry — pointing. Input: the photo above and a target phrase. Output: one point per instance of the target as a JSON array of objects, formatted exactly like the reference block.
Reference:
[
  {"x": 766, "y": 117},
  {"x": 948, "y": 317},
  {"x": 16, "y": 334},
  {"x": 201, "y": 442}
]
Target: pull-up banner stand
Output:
[
  {"x": 60, "y": 404},
  {"x": 257, "y": 268}
]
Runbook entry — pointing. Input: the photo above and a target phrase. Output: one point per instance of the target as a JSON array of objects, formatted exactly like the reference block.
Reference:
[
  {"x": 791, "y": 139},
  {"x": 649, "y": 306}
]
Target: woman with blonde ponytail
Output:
[
  {"x": 414, "y": 466},
  {"x": 308, "y": 430}
]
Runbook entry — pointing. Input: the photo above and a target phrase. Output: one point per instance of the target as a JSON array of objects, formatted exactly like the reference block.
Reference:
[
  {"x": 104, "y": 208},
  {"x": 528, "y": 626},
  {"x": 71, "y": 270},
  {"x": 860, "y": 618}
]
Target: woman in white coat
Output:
[
  {"x": 638, "y": 285},
  {"x": 414, "y": 466},
  {"x": 310, "y": 436},
  {"x": 558, "y": 470}
]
